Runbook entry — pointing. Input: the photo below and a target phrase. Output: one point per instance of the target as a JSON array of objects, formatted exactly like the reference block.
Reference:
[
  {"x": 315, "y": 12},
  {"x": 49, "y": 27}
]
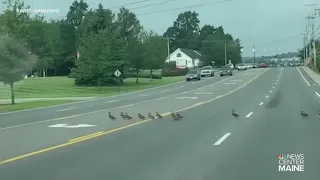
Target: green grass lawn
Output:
[
  {"x": 52, "y": 87},
  {"x": 29, "y": 105}
]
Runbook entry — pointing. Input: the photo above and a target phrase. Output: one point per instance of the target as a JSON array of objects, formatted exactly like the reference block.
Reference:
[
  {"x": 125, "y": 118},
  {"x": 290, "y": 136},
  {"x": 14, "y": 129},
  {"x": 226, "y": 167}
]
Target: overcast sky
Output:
[{"x": 273, "y": 25}]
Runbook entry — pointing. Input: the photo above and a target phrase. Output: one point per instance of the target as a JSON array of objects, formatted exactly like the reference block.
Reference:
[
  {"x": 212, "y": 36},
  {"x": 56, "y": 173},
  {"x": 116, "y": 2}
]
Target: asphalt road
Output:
[
  {"x": 101, "y": 104},
  {"x": 208, "y": 143}
]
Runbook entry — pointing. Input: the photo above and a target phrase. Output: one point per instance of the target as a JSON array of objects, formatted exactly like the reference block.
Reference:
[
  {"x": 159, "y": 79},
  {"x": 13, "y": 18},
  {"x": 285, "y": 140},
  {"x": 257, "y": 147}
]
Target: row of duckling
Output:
[{"x": 175, "y": 116}]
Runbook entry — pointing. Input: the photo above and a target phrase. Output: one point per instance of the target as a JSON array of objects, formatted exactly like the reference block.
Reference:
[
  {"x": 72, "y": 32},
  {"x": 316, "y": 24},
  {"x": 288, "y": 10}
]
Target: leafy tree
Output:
[
  {"x": 77, "y": 12},
  {"x": 155, "y": 53},
  {"x": 128, "y": 24},
  {"x": 102, "y": 50},
  {"x": 184, "y": 32},
  {"x": 15, "y": 61},
  {"x": 135, "y": 56}
]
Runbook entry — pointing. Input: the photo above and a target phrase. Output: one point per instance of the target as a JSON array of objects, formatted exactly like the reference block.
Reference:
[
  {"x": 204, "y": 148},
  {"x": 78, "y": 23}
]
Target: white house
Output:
[{"x": 185, "y": 58}]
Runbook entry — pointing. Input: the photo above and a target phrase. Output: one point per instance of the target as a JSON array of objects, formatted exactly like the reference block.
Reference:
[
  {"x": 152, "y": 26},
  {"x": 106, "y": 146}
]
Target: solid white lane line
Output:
[
  {"x": 186, "y": 97},
  {"x": 144, "y": 94},
  {"x": 203, "y": 93},
  {"x": 64, "y": 109},
  {"x": 267, "y": 96},
  {"x": 222, "y": 139},
  {"x": 317, "y": 94},
  {"x": 249, "y": 114},
  {"x": 229, "y": 83},
  {"x": 111, "y": 101},
  {"x": 260, "y": 103},
  {"x": 271, "y": 91},
  {"x": 303, "y": 77}
]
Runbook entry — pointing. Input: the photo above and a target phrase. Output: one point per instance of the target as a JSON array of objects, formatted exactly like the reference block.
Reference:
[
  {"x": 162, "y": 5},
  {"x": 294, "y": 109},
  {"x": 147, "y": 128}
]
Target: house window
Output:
[{"x": 179, "y": 55}]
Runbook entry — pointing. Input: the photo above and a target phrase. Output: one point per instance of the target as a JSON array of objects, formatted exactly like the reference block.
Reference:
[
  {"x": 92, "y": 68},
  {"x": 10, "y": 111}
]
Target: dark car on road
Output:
[
  {"x": 226, "y": 71},
  {"x": 193, "y": 75}
]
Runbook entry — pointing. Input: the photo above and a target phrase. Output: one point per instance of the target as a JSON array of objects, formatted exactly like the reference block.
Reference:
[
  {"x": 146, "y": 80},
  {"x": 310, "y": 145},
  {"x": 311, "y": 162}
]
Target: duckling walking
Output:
[
  {"x": 128, "y": 117},
  {"x": 158, "y": 115},
  {"x": 123, "y": 115},
  {"x": 234, "y": 114},
  {"x": 111, "y": 117},
  {"x": 174, "y": 116},
  {"x": 141, "y": 116},
  {"x": 303, "y": 114},
  {"x": 179, "y": 116},
  {"x": 150, "y": 116}
]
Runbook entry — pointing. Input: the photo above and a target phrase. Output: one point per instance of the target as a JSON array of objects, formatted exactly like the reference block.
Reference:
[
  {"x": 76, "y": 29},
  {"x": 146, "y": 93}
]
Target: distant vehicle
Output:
[
  {"x": 248, "y": 66},
  {"x": 230, "y": 66},
  {"x": 263, "y": 65},
  {"x": 226, "y": 71},
  {"x": 207, "y": 71},
  {"x": 255, "y": 66},
  {"x": 193, "y": 75},
  {"x": 241, "y": 67}
]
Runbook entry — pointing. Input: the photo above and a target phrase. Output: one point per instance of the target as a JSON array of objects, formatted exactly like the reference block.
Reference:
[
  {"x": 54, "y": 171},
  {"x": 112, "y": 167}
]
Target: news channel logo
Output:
[{"x": 291, "y": 162}]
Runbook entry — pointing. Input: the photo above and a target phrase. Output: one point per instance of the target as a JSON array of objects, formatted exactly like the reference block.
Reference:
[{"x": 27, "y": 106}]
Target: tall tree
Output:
[
  {"x": 15, "y": 61},
  {"x": 77, "y": 12},
  {"x": 135, "y": 56},
  {"x": 155, "y": 48},
  {"x": 184, "y": 31},
  {"x": 102, "y": 50},
  {"x": 128, "y": 24}
]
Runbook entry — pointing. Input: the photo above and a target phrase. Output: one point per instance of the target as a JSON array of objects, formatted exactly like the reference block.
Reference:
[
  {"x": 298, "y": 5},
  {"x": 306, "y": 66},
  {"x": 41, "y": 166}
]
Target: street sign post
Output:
[{"x": 117, "y": 73}]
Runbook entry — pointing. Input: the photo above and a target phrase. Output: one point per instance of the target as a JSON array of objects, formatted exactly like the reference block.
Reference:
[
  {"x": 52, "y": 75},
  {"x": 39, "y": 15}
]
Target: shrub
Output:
[
  {"x": 176, "y": 72},
  {"x": 144, "y": 75}
]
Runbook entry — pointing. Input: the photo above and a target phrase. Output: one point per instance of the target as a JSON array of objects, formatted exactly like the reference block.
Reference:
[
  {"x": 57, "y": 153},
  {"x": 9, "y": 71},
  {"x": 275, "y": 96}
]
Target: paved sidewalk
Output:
[{"x": 5, "y": 101}]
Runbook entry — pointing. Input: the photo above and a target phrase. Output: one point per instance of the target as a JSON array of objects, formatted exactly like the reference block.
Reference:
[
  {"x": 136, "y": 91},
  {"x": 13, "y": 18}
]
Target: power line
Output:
[
  {"x": 186, "y": 7},
  {"x": 158, "y": 3},
  {"x": 128, "y": 4},
  {"x": 217, "y": 41},
  {"x": 154, "y": 4},
  {"x": 280, "y": 40}
]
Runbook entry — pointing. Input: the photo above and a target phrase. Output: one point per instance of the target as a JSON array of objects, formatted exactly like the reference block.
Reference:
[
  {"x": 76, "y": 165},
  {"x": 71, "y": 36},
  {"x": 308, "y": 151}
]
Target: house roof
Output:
[{"x": 191, "y": 53}]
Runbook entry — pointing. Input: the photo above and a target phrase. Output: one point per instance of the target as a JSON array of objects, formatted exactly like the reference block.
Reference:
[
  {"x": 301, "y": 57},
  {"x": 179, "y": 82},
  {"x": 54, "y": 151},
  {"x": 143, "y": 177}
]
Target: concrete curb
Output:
[{"x": 311, "y": 74}]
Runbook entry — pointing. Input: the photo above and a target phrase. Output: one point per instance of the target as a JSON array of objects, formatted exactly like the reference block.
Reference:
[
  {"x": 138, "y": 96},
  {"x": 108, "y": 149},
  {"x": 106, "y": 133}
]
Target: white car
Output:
[
  {"x": 207, "y": 71},
  {"x": 248, "y": 66},
  {"x": 241, "y": 67}
]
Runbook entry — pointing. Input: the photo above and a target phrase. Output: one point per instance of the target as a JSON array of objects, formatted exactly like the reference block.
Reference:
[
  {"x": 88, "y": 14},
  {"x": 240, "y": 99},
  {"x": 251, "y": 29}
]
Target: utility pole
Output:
[
  {"x": 304, "y": 48},
  {"x": 314, "y": 53},
  {"x": 312, "y": 42},
  {"x": 254, "y": 54},
  {"x": 225, "y": 54},
  {"x": 168, "y": 48}
]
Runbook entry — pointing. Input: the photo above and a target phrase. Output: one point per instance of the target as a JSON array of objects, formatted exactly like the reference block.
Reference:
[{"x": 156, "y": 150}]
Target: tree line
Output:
[{"x": 90, "y": 44}]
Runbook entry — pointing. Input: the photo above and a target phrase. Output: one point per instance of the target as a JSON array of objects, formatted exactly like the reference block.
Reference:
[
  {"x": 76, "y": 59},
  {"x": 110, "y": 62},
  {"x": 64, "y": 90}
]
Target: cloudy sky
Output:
[{"x": 275, "y": 26}]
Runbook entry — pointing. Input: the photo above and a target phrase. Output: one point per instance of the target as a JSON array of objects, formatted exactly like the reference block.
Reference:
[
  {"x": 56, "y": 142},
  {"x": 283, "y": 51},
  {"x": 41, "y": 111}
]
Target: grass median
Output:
[
  {"x": 31, "y": 104},
  {"x": 62, "y": 87}
]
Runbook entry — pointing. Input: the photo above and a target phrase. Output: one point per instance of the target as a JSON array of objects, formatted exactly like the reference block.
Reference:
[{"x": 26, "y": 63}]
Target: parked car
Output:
[
  {"x": 241, "y": 67},
  {"x": 207, "y": 71},
  {"x": 193, "y": 75},
  {"x": 226, "y": 71}
]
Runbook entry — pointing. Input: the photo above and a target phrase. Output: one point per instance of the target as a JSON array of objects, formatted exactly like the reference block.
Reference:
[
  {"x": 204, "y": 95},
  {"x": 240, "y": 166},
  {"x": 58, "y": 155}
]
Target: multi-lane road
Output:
[{"x": 208, "y": 143}]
